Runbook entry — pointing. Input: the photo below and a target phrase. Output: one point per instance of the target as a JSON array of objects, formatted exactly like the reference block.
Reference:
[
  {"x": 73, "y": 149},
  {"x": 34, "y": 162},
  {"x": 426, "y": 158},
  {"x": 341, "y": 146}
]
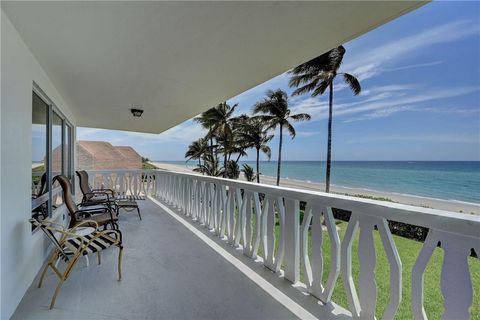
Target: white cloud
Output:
[
  {"x": 382, "y": 113},
  {"x": 372, "y": 61},
  {"x": 413, "y": 66},
  {"x": 382, "y": 101},
  {"x": 306, "y": 134},
  {"x": 429, "y": 137}
]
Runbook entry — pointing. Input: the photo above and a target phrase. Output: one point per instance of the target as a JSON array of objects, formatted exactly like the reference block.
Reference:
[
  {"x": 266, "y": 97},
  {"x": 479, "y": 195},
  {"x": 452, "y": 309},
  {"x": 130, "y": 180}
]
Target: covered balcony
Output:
[
  {"x": 207, "y": 248},
  {"x": 216, "y": 248}
]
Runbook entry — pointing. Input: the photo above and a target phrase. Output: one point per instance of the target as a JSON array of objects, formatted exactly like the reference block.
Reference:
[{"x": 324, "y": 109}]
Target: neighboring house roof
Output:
[
  {"x": 132, "y": 158},
  {"x": 102, "y": 155}
]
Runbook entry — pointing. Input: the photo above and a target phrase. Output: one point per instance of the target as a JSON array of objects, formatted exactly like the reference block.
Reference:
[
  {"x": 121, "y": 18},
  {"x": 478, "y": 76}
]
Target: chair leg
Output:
[
  {"x": 120, "y": 251},
  {"x": 57, "y": 290},
  {"x": 99, "y": 260},
  {"x": 43, "y": 274},
  {"x": 49, "y": 263},
  {"x": 138, "y": 210}
]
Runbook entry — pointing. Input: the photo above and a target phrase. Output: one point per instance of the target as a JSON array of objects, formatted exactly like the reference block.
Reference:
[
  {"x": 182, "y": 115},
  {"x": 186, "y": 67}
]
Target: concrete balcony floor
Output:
[{"x": 169, "y": 272}]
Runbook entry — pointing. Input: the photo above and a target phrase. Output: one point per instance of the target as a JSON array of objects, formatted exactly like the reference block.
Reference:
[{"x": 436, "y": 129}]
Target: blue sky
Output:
[{"x": 420, "y": 76}]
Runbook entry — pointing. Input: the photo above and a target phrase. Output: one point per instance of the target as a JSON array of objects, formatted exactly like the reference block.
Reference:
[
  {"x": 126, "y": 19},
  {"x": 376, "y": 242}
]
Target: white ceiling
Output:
[{"x": 177, "y": 59}]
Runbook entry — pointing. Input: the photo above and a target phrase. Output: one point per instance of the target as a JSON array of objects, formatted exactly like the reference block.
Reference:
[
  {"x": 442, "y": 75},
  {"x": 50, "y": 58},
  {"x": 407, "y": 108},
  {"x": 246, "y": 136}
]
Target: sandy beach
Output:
[{"x": 448, "y": 205}]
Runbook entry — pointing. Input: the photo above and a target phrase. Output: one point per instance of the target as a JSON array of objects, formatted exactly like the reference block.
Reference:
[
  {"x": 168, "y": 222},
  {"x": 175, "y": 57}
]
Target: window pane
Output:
[
  {"x": 57, "y": 153},
  {"x": 39, "y": 164},
  {"x": 68, "y": 136},
  {"x": 57, "y": 157}
]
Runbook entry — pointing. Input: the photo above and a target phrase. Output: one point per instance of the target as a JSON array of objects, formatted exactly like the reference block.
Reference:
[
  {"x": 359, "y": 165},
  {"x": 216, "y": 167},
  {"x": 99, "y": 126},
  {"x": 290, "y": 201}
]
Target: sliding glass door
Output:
[{"x": 52, "y": 155}]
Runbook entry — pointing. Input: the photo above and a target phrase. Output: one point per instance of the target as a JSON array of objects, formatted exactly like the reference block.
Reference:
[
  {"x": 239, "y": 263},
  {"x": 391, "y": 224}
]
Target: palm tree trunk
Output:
[
  {"x": 329, "y": 143},
  {"x": 225, "y": 165},
  {"x": 238, "y": 158},
  {"x": 258, "y": 165},
  {"x": 279, "y": 155}
]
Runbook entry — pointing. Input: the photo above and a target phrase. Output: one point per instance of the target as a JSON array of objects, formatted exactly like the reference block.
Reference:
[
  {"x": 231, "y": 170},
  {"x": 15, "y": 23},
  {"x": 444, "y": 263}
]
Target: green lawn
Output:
[
  {"x": 40, "y": 168},
  {"x": 408, "y": 250}
]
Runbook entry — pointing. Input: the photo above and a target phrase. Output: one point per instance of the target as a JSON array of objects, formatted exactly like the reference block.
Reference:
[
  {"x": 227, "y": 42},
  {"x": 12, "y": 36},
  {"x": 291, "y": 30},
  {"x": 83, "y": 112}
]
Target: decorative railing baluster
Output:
[{"x": 252, "y": 215}]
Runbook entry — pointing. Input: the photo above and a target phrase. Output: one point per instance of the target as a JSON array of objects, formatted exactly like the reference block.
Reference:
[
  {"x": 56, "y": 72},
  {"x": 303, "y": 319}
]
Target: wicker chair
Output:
[
  {"x": 102, "y": 214},
  {"x": 70, "y": 247}
]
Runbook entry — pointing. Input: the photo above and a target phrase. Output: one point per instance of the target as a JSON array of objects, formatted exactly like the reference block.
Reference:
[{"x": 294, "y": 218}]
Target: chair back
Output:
[
  {"x": 83, "y": 182},
  {"x": 67, "y": 196},
  {"x": 43, "y": 185},
  {"x": 50, "y": 228}
]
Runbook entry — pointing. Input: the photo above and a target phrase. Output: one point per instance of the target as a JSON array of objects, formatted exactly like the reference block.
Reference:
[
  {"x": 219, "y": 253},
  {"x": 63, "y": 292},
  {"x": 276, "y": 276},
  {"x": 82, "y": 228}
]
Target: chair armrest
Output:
[
  {"x": 89, "y": 212},
  {"x": 93, "y": 194},
  {"x": 109, "y": 202},
  {"x": 104, "y": 191},
  {"x": 93, "y": 203}
]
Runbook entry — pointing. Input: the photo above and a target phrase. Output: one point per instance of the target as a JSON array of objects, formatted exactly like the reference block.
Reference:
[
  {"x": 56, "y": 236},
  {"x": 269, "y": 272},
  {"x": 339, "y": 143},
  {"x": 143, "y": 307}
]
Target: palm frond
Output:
[
  {"x": 301, "y": 117},
  {"x": 299, "y": 79},
  {"x": 291, "y": 130},
  {"x": 321, "y": 87},
  {"x": 267, "y": 151},
  {"x": 306, "y": 88},
  {"x": 353, "y": 83}
]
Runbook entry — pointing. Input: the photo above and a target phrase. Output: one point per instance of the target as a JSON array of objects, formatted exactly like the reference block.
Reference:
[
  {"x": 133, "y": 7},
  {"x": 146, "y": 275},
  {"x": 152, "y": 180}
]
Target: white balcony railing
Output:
[
  {"x": 244, "y": 214},
  {"x": 124, "y": 182}
]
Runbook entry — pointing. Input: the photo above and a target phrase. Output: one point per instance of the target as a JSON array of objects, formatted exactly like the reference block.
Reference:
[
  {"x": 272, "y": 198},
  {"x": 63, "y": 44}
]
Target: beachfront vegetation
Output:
[
  {"x": 318, "y": 75},
  {"x": 275, "y": 113},
  {"x": 249, "y": 173},
  {"x": 197, "y": 150},
  {"x": 148, "y": 166},
  {"x": 255, "y": 134},
  {"x": 230, "y": 137}
]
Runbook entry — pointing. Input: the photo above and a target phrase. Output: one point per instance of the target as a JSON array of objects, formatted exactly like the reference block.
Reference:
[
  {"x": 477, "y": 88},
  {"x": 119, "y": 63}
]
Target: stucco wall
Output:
[{"x": 22, "y": 253}]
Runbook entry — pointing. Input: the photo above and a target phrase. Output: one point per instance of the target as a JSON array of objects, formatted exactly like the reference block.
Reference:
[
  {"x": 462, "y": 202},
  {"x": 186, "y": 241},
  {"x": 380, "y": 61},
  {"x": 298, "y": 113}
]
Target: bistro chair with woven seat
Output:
[
  {"x": 70, "y": 247},
  {"x": 102, "y": 214}
]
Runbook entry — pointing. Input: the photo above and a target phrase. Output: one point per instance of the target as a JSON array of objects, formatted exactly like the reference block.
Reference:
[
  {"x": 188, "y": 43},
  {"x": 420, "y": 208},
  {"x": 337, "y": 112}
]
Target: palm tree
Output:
[
  {"x": 220, "y": 124},
  {"x": 232, "y": 170},
  {"x": 207, "y": 122},
  {"x": 275, "y": 113},
  {"x": 316, "y": 76},
  {"x": 197, "y": 150},
  {"x": 210, "y": 166},
  {"x": 249, "y": 173},
  {"x": 254, "y": 134}
]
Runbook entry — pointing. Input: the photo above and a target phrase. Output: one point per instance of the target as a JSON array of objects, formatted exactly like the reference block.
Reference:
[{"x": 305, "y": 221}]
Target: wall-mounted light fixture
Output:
[{"x": 136, "y": 112}]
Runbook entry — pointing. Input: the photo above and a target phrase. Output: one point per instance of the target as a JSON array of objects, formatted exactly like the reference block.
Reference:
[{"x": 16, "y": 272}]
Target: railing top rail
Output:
[
  {"x": 467, "y": 224},
  {"x": 121, "y": 170}
]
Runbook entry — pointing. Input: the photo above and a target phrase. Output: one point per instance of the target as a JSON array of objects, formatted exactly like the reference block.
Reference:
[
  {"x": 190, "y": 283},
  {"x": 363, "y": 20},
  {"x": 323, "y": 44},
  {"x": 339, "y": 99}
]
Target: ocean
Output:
[{"x": 448, "y": 180}]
